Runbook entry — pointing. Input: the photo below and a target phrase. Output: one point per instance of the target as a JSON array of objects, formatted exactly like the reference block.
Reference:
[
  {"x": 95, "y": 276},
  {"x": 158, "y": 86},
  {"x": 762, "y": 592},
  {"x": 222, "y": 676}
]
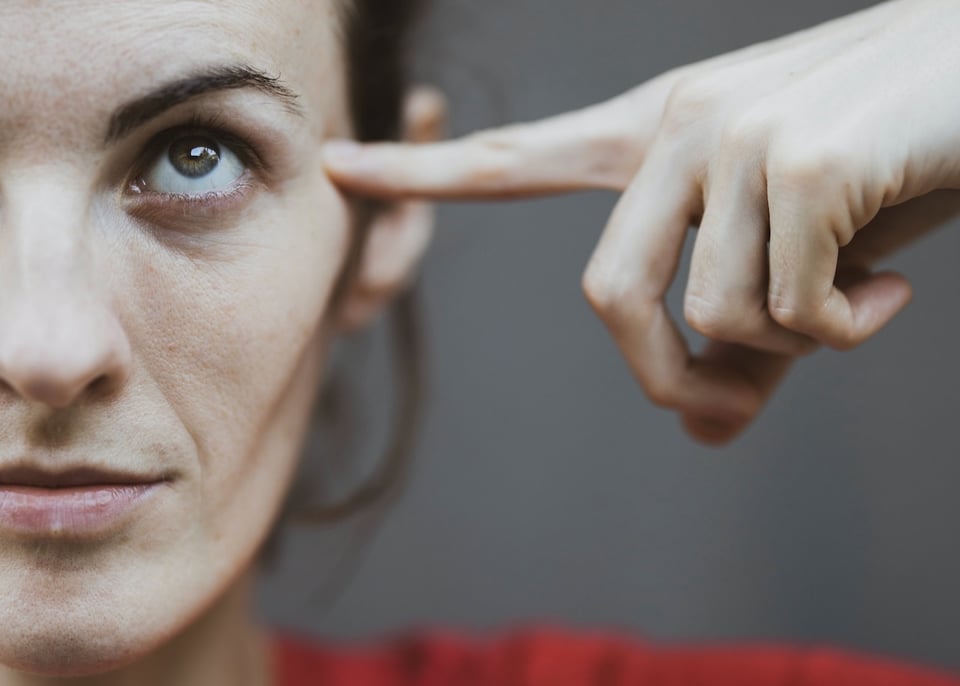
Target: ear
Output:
[{"x": 399, "y": 236}]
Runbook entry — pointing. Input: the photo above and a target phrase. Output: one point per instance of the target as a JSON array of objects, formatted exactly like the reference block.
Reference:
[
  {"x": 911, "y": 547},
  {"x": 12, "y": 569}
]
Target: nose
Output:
[
  {"x": 59, "y": 337},
  {"x": 56, "y": 352}
]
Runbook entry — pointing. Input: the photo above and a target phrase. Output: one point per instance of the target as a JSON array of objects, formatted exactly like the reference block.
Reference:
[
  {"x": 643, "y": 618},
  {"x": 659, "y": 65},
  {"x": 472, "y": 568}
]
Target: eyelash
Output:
[{"x": 209, "y": 203}]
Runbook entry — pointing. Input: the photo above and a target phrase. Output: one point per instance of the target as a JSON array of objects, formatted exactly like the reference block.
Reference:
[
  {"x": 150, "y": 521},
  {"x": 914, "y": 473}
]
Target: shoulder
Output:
[{"x": 549, "y": 657}]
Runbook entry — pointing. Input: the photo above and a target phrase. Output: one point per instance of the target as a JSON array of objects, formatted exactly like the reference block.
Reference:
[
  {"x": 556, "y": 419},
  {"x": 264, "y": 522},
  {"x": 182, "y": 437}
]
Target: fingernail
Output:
[{"x": 341, "y": 152}]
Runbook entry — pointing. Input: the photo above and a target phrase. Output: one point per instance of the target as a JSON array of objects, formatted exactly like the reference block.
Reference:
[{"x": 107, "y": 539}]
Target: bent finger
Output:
[
  {"x": 726, "y": 298},
  {"x": 803, "y": 295},
  {"x": 763, "y": 370},
  {"x": 628, "y": 276}
]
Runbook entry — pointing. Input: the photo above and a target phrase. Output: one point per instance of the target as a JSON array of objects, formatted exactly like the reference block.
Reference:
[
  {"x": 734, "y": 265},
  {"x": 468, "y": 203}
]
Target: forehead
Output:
[{"x": 86, "y": 56}]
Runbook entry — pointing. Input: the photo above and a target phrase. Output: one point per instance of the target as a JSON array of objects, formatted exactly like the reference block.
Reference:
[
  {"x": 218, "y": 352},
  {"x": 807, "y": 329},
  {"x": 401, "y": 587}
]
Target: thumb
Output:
[{"x": 875, "y": 299}]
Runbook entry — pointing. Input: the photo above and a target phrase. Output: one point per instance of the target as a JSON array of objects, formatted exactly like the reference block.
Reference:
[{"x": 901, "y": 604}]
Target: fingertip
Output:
[
  {"x": 361, "y": 168},
  {"x": 341, "y": 154},
  {"x": 713, "y": 432},
  {"x": 900, "y": 288},
  {"x": 877, "y": 300}
]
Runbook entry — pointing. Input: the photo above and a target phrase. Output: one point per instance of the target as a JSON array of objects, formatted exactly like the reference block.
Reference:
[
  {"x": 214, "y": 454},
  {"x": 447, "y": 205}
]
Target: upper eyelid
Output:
[{"x": 243, "y": 149}]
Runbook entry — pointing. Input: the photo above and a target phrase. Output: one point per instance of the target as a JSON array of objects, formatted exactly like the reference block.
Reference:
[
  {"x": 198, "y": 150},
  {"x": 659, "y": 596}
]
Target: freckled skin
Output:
[{"x": 213, "y": 333}]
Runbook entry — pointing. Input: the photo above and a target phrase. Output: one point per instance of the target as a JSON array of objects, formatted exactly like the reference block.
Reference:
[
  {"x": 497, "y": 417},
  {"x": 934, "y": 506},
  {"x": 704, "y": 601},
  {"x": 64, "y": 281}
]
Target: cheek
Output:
[
  {"x": 227, "y": 346},
  {"x": 235, "y": 342}
]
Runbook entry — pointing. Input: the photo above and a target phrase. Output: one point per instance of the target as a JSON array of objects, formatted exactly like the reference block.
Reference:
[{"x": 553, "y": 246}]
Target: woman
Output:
[{"x": 176, "y": 265}]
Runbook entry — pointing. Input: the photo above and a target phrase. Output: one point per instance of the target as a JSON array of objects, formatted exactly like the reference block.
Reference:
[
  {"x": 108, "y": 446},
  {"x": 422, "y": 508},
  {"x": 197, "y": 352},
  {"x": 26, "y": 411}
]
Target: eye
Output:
[{"x": 192, "y": 164}]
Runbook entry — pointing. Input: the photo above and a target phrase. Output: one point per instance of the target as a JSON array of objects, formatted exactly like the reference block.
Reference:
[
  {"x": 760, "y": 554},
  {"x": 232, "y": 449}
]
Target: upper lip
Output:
[{"x": 25, "y": 475}]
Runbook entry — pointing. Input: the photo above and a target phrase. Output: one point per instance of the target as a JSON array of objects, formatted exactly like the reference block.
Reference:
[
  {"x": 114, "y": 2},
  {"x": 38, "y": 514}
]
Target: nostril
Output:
[
  {"x": 65, "y": 355},
  {"x": 100, "y": 386},
  {"x": 58, "y": 385}
]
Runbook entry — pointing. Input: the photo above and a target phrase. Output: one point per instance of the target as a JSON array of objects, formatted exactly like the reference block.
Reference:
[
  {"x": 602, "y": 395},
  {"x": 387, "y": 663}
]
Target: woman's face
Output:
[{"x": 168, "y": 246}]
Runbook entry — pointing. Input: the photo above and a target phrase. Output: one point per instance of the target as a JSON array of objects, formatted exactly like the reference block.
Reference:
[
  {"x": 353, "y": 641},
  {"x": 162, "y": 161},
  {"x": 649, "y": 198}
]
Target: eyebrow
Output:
[{"x": 230, "y": 77}]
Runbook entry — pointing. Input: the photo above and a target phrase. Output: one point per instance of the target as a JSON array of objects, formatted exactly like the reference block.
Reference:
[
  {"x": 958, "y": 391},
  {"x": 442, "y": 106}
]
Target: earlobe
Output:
[{"x": 398, "y": 236}]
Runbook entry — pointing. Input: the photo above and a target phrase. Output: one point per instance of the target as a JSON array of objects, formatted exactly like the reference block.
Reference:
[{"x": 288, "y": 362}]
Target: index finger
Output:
[{"x": 599, "y": 147}]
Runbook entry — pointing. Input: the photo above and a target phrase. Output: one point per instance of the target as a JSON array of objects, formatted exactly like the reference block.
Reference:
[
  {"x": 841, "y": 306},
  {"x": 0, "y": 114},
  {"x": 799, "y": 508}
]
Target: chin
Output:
[
  {"x": 66, "y": 651},
  {"x": 61, "y": 623}
]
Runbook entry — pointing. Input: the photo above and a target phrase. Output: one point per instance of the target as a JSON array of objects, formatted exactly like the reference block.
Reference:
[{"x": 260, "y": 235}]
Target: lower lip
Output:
[{"x": 68, "y": 512}]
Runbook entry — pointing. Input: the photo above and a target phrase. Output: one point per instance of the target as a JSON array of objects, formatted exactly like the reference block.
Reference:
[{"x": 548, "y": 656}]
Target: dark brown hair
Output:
[{"x": 376, "y": 35}]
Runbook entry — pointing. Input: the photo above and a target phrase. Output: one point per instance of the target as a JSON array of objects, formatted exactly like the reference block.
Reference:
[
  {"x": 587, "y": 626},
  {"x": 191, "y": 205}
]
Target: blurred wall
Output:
[{"x": 548, "y": 487}]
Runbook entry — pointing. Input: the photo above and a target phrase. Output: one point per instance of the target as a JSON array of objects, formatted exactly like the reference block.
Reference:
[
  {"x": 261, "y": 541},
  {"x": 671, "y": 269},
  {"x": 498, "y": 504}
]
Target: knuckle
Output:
[
  {"x": 791, "y": 312},
  {"x": 803, "y": 165},
  {"x": 821, "y": 177},
  {"x": 787, "y": 172},
  {"x": 747, "y": 132},
  {"x": 811, "y": 317},
  {"x": 606, "y": 293},
  {"x": 661, "y": 390},
  {"x": 616, "y": 157},
  {"x": 690, "y": 99},
  {"x": 711, "y": 317},
  {"x": 496, "y": 159}
]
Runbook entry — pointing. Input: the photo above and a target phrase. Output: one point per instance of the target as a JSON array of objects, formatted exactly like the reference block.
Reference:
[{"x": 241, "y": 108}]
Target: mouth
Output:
[
  {"x": 78, "y": 477},
  {"x": 75, "y": 503}
]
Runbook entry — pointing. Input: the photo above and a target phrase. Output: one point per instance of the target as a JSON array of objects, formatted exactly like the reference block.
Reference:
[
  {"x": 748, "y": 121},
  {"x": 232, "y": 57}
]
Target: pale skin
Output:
[
  {"x": 149, "y": 324},
  {"x": 804, "y": 161}
]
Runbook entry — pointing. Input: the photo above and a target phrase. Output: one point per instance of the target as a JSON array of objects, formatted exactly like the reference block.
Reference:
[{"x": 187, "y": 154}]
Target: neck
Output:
[{"x": 224, "y": 647}]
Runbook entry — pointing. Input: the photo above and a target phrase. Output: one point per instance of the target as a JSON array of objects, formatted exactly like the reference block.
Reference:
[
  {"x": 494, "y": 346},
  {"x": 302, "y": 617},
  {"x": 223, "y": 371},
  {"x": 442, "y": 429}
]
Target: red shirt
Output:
[{"x": 553, "y": 658}]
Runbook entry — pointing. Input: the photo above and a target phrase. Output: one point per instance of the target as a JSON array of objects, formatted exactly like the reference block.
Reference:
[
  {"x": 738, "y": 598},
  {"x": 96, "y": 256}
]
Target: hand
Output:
[{"x": 782, "y": 153}]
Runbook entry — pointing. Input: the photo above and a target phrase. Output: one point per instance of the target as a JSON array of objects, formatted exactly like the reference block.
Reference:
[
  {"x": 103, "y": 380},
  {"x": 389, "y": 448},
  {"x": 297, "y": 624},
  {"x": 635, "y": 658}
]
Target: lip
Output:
[{"x": 75, "y": 503}]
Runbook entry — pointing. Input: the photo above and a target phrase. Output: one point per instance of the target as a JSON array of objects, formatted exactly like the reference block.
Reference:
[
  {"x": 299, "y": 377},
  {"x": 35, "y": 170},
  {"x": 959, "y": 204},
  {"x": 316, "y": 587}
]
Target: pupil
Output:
[{"x": 194, "y": 156}]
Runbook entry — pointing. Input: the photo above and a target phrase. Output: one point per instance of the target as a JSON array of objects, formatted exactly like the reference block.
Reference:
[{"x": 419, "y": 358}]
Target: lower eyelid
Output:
[{"x": 153, "y": 206}]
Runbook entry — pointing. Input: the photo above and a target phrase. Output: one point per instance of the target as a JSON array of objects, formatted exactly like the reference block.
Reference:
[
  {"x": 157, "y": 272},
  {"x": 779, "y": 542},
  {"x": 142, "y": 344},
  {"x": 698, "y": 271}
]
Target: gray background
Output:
[{"x": 548, "y": 488}]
